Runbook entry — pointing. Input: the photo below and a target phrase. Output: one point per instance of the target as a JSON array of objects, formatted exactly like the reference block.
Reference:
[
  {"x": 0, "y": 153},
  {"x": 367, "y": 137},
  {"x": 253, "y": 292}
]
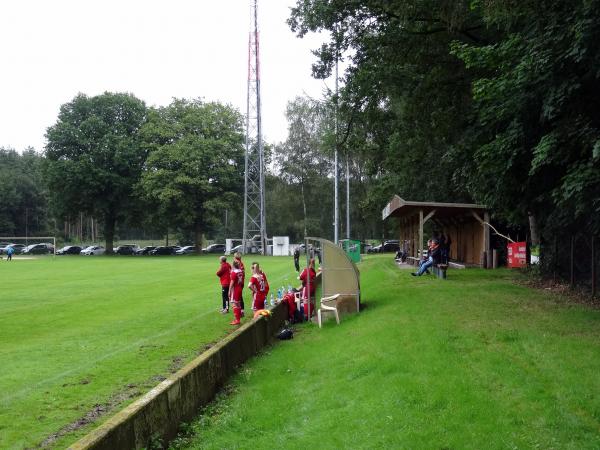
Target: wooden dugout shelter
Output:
[{"x": 465, "y": 223}]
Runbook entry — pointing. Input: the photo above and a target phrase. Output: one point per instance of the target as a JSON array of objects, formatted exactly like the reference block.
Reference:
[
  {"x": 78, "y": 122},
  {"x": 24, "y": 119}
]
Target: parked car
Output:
[
  {"x": 392, "y": 245},
  {"x": 237, "y": 248},
  {"x": 38, "y": 249},
  {"x": 146, "y": 250},
  {"x": 18, "y": 248},
  {"x": 93, "y": 250},
  {"x": 186, "y": 250},
  {"x": 164, "y": 250},
  {"x": 127, "y": 249},
  {"x": 374, "y": 249},
  {"x": 69, "y": 250},
  {"x": 215, "y": 248}
]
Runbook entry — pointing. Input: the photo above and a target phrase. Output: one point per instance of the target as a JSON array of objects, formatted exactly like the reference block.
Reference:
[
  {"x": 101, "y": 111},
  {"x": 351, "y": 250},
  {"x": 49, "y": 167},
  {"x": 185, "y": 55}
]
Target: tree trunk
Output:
[
  {"x": 198, "y": 238},
  {"x": 109, "y": 233},
  {"x": 535, "y": 237}
]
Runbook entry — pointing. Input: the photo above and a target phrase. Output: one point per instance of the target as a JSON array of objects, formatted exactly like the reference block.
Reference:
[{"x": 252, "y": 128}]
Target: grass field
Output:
[
  {"x": 82, "y": 336},
  {"x": 474, "y": 361}
]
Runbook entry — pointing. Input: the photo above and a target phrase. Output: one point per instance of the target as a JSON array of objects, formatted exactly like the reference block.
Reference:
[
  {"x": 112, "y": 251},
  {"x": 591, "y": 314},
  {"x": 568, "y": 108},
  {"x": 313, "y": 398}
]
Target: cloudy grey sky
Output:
[{"x": 157, "y": 50}]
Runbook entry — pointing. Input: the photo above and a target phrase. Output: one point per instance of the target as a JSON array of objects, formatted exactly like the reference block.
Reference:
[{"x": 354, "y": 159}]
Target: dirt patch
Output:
[{"x": 94, "y": 414}]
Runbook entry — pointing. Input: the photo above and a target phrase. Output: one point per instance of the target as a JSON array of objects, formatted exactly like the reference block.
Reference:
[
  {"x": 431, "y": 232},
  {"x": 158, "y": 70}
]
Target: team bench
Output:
[{"x": 438, "y": 269}]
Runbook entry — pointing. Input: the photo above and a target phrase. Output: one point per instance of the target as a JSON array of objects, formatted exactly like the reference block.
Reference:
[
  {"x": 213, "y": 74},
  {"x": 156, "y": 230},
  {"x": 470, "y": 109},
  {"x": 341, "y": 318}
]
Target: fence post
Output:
[
  {"x": 593, "y": 266},
  {"x": 572, "y": 261},
  {"x": 555, "y": 260}
]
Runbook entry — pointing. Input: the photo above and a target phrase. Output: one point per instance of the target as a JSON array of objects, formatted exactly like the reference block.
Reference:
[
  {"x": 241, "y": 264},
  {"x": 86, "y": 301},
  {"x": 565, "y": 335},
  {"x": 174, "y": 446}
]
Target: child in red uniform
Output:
[
  {"x": 235, "y": 291},
  {"x": 258, "y": 285},
  {"x": 237, "y": 256},
  {"x": 223, "y": 274},
  {"x": 308, "y": 274}
]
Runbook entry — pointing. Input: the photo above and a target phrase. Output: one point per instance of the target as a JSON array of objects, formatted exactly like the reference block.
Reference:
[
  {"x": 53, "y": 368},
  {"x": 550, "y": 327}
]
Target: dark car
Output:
[
  {"x": 69, "y": 250},
  {"x": 38, "y": 249},
  {"x": 146, "y": 250},
  {"x": 391, "y": 246},
  {"x": 164, "y": 250},
  {"x": 126, "y": 249},
  {"x": 214, "y": 248}
]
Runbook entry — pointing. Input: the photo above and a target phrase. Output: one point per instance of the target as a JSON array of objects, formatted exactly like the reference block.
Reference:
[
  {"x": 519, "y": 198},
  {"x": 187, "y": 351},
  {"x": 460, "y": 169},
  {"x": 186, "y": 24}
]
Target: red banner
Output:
[{"x": 517, "y": 254}]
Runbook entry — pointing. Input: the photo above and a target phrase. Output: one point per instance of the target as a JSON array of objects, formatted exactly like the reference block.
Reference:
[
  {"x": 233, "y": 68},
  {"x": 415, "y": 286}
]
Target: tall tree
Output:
[
  {"x": 94, "y": 157},
  {"x": 302, "y": 159},
  {"x": 536, "y": 96},
  {"x": 23, "y": 194},
  {"x": 195, "y": 163}
]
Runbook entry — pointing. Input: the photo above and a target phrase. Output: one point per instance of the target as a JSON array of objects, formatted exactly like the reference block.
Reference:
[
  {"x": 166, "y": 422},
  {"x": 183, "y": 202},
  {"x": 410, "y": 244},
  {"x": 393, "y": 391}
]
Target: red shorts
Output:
[{"x": 237, "y": 294}]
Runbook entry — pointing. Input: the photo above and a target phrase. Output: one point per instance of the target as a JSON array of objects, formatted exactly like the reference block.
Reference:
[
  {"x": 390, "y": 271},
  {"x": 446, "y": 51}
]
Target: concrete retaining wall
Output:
[{"x": 179, "y": 397}]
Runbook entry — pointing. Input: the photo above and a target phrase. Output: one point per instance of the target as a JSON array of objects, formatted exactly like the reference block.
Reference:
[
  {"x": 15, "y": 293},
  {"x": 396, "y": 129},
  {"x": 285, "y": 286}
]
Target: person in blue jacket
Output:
[{"x": 9, "y": 253}]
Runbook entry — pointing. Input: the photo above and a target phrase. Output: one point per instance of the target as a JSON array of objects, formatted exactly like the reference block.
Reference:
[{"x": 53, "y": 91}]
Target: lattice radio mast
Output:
[{"x": 254, "y": 185}]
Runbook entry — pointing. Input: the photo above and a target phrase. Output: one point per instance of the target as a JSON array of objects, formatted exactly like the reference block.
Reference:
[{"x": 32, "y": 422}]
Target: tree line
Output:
[{"x": 485, "y": 101}]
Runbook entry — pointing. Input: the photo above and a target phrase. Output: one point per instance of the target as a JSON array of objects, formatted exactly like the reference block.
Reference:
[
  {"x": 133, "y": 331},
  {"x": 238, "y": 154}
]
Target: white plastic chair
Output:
[{"x": 329, "y": 304}]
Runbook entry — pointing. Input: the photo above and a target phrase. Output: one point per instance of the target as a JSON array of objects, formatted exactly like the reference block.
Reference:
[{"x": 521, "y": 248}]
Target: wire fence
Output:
[{"x": 573, "y": 259}]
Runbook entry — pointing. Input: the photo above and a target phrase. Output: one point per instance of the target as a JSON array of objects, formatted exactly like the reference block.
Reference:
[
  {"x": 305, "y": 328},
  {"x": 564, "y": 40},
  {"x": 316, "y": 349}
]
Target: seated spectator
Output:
[{"x": 434, "y": 256}]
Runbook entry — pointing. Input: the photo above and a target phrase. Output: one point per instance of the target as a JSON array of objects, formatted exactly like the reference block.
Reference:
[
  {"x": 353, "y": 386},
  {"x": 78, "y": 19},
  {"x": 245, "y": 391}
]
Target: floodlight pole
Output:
[
  {"x": 347, "y": 198},
  {"x": 336, "y": 206}
]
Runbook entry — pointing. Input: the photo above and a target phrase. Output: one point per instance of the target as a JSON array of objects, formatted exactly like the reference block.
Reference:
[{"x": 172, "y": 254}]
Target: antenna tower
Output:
[{"x": 254, "y": 184}]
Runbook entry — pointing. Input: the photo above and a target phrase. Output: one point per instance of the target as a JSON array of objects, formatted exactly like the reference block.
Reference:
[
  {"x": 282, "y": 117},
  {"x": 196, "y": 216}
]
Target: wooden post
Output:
[
  {"x": 555, "y": 260},
  {"x": 421, "y": 233},
  {"x": 593, "y": 266},
  {"x": 489, "y": 259},
  {"x": 495, "y": 259},
  {"x": 572, "y": 261}
]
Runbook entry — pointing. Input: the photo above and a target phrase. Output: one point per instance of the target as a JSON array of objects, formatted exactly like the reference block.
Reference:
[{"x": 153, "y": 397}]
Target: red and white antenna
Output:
[{"x": 254, "y": 184}]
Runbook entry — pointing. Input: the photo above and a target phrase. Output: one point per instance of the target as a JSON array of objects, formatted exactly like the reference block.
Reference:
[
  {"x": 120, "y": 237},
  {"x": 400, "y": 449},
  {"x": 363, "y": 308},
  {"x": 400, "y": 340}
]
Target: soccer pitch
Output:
[{"x": 80, "y": 337}]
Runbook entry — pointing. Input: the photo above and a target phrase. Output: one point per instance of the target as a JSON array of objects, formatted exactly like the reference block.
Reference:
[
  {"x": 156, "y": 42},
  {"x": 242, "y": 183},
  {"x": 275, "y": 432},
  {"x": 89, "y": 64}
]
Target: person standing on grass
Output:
[
  {"x": 297, "y": 259},
  {"x": 9, "y": 252},
  {"x": 235, "y": 291},
  {"x": 259, "y": 287},
  {"x": 307, "y": 277},
  {"x": 237, "y": 256},
  {"x": 224, "y": 278}
]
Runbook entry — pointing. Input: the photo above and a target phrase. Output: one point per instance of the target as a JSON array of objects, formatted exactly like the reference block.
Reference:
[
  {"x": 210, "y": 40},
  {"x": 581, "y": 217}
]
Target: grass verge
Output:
[{"x": 474, "y": 361}]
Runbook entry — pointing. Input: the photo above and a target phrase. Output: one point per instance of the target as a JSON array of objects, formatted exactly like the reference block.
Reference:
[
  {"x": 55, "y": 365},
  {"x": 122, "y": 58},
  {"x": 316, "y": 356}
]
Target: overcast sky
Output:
[{"x": 157, "y": 50}]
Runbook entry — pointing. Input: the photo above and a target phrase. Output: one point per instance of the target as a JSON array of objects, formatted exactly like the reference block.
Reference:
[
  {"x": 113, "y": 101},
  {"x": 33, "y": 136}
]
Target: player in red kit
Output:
[
  {"x": 259, "y": 287},
  {"x": 307, "y": 277},
  {"x": 238, "y": 257},
  {"x": 235, "y": 291},
  {"x": 223, "y": 274}
]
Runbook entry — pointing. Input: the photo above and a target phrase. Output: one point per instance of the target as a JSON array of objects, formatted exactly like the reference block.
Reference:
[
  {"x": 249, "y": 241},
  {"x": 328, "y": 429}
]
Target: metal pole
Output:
[
  {"x": 347, "y": 199},
  {"x": 335, "y": 183}
]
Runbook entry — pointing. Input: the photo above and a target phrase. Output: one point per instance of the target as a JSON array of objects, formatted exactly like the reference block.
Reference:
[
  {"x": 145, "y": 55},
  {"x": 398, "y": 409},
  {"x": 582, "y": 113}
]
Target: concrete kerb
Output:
[{"x": 177, "y": 399}]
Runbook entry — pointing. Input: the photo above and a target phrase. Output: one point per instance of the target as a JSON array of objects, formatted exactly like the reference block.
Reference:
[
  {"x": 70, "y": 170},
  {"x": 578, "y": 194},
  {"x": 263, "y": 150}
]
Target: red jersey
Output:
[
  {"x": 304, "y": 276},
  {"x": 237, "y": 282},
  {"x": 259, "y": 286},
  {"x": 239, "y": 260},
  {"x": 223, "y": 273}
]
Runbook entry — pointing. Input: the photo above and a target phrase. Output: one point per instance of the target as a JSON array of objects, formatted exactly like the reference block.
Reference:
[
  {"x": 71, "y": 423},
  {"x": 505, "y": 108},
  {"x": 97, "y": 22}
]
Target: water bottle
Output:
[
  {"x": 272, "y": 300},
  {"x": 289, "y": 288}
]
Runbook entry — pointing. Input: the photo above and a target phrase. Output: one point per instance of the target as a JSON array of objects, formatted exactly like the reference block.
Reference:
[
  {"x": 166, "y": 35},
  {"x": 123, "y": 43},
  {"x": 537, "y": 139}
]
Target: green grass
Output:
[
  {"x": 474, "y": 361},
  {"x": 85, "y": 334}
]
